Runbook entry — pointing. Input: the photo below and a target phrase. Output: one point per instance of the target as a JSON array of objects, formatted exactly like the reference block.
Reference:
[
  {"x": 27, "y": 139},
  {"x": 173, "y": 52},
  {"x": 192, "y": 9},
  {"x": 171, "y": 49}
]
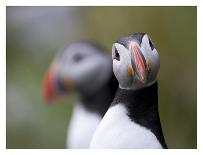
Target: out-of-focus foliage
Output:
[{"x": 34, "y": 35}]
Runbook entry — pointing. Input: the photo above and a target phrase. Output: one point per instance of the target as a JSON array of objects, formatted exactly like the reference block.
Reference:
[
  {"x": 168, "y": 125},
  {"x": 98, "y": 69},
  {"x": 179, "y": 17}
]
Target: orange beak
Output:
[{"x": 49, "y": 92}]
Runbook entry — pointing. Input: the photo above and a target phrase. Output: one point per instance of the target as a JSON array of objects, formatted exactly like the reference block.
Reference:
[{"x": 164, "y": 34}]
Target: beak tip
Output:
[{"x": 48, "y": 91}]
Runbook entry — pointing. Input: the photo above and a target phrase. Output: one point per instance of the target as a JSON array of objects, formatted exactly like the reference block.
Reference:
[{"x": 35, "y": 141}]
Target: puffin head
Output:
[
  {"x": 135, "y": 61},
  {"x": 82, "y": 67}
]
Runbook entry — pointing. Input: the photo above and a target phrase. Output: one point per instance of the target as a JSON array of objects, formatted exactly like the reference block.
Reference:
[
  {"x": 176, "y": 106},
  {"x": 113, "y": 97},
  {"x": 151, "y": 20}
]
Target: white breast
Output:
[
  {"x": 81, "y": 128},
  {"x": 116, "y": 130}
]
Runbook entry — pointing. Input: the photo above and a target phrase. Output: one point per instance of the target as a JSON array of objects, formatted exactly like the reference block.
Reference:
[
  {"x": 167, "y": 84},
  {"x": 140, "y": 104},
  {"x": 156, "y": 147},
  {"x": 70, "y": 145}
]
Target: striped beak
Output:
[{"x": 138, "y": 62}]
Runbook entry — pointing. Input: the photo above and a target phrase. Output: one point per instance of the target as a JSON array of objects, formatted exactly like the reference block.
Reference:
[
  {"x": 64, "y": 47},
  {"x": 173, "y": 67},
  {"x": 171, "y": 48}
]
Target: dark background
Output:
[{"x": 35, "y": 34}]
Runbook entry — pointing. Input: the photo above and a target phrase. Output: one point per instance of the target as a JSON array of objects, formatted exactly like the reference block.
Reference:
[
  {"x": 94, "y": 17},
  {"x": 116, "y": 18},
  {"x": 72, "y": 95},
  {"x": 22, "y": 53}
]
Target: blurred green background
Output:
[{"x": 35, "y": 34}]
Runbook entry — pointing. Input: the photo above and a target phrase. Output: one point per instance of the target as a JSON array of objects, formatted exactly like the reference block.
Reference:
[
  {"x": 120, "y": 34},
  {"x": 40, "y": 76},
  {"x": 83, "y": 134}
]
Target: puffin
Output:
[
  {"x": 132, "y": 121},
  {"x": 84, "y": 68}
]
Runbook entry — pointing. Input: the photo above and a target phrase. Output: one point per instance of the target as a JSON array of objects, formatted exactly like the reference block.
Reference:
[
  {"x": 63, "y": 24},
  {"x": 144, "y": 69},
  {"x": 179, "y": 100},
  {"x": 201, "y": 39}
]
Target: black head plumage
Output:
[{"x": 125, "y": 41}]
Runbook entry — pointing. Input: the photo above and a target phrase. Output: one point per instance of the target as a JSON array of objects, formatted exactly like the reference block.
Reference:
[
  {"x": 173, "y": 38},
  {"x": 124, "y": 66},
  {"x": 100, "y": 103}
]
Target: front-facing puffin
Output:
[{"x": 133, "y": 121}]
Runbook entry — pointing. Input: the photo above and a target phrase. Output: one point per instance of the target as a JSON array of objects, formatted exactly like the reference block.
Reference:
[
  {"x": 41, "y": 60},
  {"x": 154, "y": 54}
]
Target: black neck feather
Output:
[
  {"x": 100, "y": 100},
  {"x": 142, "y": 106}
]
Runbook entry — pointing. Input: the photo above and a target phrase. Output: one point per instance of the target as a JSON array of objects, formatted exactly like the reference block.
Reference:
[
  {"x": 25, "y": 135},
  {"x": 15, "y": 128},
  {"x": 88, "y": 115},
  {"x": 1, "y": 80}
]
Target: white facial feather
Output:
[
  {"x": 120, "y": 67},
  {"x": 152, "y": 57},
  {"x": 146, "y": 49}
]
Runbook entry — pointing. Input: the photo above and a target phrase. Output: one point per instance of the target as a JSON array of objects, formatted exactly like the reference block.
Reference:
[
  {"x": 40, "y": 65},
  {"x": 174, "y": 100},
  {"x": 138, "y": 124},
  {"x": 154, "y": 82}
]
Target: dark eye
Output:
[
  {"x": 77, "y": 57},
  {"x": 117, "y": 55},
  {"x": 151, "y": 44}
]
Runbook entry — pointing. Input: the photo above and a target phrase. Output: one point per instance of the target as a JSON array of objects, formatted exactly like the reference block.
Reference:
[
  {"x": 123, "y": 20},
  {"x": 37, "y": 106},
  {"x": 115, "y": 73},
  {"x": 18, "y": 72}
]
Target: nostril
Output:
[{"x": 117, "y": 55}]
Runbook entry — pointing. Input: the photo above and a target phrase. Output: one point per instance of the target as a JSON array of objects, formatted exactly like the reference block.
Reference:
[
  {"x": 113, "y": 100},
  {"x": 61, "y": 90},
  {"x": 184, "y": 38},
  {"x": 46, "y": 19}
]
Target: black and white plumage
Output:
[
  {"x": 85, "y": 68},
  {"x": 132, "y": 121}
]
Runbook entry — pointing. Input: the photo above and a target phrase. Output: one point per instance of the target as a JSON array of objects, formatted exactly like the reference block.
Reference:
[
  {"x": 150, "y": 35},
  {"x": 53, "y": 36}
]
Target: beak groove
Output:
[{"x": 138, "y": 62}]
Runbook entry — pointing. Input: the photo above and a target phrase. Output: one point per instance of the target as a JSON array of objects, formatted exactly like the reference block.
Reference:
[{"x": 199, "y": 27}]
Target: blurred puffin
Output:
[
  {"x": 132, "y": 121},
  {"x": 85, "y": 68}
]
